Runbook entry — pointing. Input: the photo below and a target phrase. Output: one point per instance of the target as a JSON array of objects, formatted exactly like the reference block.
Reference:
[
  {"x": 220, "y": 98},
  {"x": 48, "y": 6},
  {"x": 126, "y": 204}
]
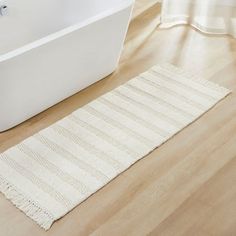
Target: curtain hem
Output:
[{"x": 173, "y": 21}]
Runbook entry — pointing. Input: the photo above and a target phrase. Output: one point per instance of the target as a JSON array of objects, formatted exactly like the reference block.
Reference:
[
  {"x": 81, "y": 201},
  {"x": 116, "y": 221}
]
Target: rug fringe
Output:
[{"x": 43, "y": 218}]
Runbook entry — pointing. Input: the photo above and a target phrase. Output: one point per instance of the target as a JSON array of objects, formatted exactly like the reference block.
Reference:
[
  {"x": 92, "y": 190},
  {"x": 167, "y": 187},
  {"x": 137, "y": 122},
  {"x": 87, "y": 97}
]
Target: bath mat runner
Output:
[{"x": 50, "y": 173}]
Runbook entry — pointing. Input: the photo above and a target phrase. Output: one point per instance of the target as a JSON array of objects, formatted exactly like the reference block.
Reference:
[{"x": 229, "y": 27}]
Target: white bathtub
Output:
[{"x": 51, "y": 49}]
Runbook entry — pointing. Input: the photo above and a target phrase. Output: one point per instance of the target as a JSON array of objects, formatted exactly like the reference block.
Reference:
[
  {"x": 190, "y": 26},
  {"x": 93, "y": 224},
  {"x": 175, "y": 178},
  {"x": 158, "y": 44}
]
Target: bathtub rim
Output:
[{"x": 70, "y": 29}]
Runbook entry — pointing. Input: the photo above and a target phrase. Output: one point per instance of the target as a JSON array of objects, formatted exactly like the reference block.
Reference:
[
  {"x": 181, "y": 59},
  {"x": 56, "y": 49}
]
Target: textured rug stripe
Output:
[{"x": 50, "y": 173}]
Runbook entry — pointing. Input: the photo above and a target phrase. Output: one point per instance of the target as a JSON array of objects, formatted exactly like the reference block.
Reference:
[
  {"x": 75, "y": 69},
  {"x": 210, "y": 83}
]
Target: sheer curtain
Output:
[{"x": 209, "y": 16}]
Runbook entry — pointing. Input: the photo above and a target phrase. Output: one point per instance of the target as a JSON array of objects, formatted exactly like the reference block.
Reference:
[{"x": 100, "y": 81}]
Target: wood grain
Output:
[{"x": 185, "y": 187}]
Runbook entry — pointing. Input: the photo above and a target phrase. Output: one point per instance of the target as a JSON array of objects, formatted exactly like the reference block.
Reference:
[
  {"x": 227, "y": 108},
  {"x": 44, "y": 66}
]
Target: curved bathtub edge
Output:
[
  {"x": 124, "y": 4},
  {"x": 9, "y": 126}
]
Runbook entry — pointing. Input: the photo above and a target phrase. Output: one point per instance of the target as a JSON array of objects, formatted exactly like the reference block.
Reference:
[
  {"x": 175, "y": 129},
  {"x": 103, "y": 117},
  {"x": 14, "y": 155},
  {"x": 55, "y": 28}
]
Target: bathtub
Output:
[{"x": 50, "y": 50}]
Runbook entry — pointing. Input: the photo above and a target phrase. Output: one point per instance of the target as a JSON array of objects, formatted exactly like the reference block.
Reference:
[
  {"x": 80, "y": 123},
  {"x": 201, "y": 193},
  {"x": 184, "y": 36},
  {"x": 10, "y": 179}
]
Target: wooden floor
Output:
[{"x": 185, "y": 187}]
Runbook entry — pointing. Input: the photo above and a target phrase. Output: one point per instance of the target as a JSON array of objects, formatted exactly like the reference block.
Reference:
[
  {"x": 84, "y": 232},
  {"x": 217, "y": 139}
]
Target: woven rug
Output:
[{"x": 50, "y": 173}]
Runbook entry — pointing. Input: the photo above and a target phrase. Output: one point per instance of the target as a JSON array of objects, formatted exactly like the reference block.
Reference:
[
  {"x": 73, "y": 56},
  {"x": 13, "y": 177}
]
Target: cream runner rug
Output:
[{"x": 50, "y": 173}]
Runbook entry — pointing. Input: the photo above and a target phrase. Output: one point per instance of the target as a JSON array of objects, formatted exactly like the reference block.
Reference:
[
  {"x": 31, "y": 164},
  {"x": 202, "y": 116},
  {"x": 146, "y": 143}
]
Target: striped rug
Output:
[{"x": 50, "y": 173}]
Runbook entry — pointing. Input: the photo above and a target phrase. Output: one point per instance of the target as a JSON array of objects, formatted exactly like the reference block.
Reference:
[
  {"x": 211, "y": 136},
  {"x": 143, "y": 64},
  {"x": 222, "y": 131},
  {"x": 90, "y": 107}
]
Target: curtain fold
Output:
[{"x": 209, "y": 16}]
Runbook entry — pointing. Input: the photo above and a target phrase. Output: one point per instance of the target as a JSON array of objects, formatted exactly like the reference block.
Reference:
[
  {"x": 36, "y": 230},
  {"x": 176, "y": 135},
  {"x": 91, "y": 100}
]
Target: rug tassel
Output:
[{"x": 33, "y": 211}]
